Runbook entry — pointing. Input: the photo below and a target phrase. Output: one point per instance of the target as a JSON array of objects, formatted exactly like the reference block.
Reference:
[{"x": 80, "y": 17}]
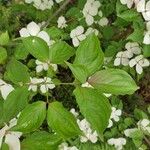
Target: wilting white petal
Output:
[
  {"x": 12, "y": 141},
  {"x": 33, "y": 28},
  {"x": 75, "y": 42},
  {"x": 5, "y": 90},
  {"x": 89, "y": 20},
  {"x": 139, "y": 69},
  {"x": 141, "y": 6},
  {"x": 24, "y": 32},
  {"x": 132, "y": 63},
  {"x": 117, "y": 62},
  {"x": 43, "y": 35}
]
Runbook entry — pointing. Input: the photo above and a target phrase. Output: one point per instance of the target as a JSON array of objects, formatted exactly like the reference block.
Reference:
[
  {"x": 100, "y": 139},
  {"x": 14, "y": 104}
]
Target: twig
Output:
[{"x": 56, "y": 13}]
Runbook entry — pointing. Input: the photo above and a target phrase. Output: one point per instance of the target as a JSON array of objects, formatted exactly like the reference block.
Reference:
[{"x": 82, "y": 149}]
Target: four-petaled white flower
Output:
[
  {"x": 64, "y": 146},
  {"x": 5, "y": 89},
  {"x": 129, "y": 3},
  {"x": 33, "y": 29},
  {"x": 34, "y": 82},
  {"x": 121, "y": 59},
  {"x": 88, "y": 133},
  {"x": 117, "y": 142},
  {"x": 43, "y": 4},
  {"x": 90, "y": 10},
  {"x": 11, "y": 137},
  {"x": 44, "y": 66},
  {"x": 144, "y": 8},
  {"x": 61, "y": 22},
  {"x": 91, "y": 30},
  {"x": 115, "y": 114},
  {"x": 46, "y": 85},
  {"x": 77, "y": 35},
  {"x": 144, "y": 125},
  {"x": 147, "y": 34},
  {"x": 132, "y": 48},
  {"x": 139, "y": 62}
]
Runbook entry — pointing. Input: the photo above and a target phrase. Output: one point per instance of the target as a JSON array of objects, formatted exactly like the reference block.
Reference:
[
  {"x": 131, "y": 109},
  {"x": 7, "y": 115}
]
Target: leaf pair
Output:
[{"x": 57, "y": 53}]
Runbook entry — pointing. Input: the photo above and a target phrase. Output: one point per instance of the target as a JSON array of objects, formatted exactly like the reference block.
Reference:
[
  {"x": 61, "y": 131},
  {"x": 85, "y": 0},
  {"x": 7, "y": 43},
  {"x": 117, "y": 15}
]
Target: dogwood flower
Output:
[
  {"x": 129, "y": 3},
  {"x": 11, "y": 137},
  {"x": 139, "y": 62},
  {"x": 61, "y": 22},
  {"x": 5, "y": 89},
  {"x": 86, "y": 129},
  {"x": 144, "y": 8},
  {"x": 77, "y": 35},
  {"x": 33, "y": 85},
  {"x": 46, "y": 85},
  {"x": 147, "y": 34},
  {"x": 90, "y": 10},
  {"x": 44, "y": 66},
  {"x": 117, "y": 142},
  {"x": 132, "y": 48},
  {"x": 91, "y": 30},
  {"x": 144, "y": 125},
  {"x": 64, "y": 146},
  {"x": 115, "y": 114},
  {"x": 43, "y": 4},
  {"x": 121, "y": 59},
  {"x": 33, "y": 29}
]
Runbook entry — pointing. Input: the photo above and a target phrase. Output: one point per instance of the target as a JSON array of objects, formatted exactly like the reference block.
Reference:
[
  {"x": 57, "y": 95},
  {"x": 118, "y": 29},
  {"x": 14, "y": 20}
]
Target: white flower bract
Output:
[
  {"x": 77, "y": 35},
  {"x": 139, "y": 62},
  {"x": 11, "y": 137},
  {"x": 5, "y": 89},
  {"x": 90, "y": 10},
  {"x": 86, "y": 129},
  {"x": 61, "y": 22},
  {"x": 117, "y": 142},
  {"x": 33, "y": 29}
]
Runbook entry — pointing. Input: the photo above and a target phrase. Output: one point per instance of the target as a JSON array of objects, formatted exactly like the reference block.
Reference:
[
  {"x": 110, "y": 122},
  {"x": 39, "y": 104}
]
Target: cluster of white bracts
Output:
[
  {"x": 115, "y": 114},
  {"x": 44, "y": 83},
  {"x": 42, "y": 4},
  {"x": 125, "y": 58},
  {"x": 5, "y": 89}
]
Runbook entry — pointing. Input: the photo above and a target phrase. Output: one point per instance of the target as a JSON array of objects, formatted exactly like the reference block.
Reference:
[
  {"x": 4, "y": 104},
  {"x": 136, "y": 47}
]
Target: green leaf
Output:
[
  {"x": 3, "y": 55},
  {"x": 114, "y": 81},
  {"x": 41, "y": 141},
  {"x": 37, "y": 47},
  {"x": 89, "y": 54},
  {"x": 60, "y": 52},
  {"x": 79, "y": 71},
  {"x": 31, "y": 118},
  {"x": 54, "y": 32},
  {"x": 146, "y": 50},
  {"x": 21, "y": 52},
  {"x": 17, "y": 72},
  {"x": 95, "y": 108},
  {"x": 15, "y": 102},
  {"x": 62, "y": 121},
  {"x": 4, "y": 38}
]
